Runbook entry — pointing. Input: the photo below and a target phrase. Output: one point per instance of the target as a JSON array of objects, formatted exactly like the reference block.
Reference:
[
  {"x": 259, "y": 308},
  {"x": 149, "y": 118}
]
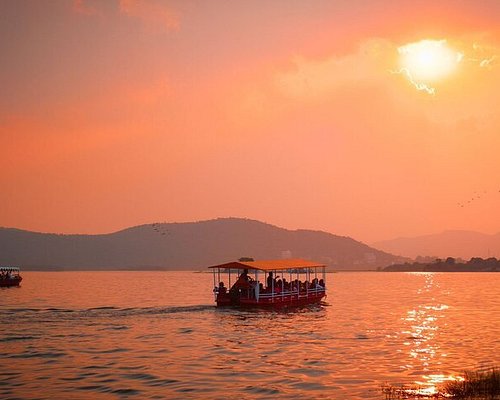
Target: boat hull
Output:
[
  {"x": 276, "y": 301},
  {"x": 10, "y": 282}
]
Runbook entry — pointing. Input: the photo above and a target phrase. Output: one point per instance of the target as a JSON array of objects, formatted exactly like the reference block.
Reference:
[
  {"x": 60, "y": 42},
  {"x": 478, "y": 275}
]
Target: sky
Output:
[{"x": 370, "y": 119}]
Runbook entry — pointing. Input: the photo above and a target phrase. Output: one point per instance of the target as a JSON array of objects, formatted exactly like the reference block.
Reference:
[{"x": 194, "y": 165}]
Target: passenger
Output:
[
  {"x": 241, "y": 286},
  {"x": 244, "y": 275},
  {"x": 222, "y": 288},
  {"x": 243, "y": 282},
  {"x": 270, "y": 280},
  {"x": 278, "y": 287},
  {"x": 322, "y": 283}
]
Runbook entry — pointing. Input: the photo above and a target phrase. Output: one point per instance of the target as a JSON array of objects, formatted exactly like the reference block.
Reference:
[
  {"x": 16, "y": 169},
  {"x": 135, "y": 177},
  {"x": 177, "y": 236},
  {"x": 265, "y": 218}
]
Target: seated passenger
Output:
[
  {"x": 243, "y": 282},
  {"x": 244, "y": 279},
  {"x": 278, "y": 287},
  {"x": 222, "y": 288}
]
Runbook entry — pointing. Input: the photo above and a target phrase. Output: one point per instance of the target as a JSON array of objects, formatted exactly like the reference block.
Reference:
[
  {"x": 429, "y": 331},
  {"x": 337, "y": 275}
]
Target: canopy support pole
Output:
[
  {"x": 215, "y": 286},
  {"x": 307, "y": 281},
  {"x": 272, "y": 286}
]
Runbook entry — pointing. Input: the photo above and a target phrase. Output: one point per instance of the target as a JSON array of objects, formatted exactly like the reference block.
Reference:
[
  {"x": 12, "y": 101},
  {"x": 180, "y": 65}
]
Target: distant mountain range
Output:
[
  {"x": 458, "y": 244},
  {"x": 193, "y": 245}
]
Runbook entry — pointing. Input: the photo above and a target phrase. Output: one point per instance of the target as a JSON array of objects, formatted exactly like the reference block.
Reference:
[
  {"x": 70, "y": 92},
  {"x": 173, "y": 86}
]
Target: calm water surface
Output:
[{"x": 157, "y": 335}]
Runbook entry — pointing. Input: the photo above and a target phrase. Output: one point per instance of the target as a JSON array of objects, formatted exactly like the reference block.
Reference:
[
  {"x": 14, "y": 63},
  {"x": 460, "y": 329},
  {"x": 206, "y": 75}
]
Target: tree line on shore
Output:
[{"x": 450, "y": 264}]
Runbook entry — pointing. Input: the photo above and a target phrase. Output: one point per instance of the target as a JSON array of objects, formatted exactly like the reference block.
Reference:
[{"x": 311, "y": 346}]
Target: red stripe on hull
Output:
[{"x": 277, "y": 301}]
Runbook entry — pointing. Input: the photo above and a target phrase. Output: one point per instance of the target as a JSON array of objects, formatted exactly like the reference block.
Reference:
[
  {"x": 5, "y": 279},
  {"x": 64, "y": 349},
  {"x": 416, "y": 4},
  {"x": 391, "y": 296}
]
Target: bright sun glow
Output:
[{"x": 428, "y": 60}]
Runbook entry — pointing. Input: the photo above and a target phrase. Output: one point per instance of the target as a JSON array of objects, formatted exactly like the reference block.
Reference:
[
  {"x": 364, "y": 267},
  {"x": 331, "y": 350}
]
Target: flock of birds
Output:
[
  {"x": 160, "y": 228},
  {"x": 475, "y": 196}
]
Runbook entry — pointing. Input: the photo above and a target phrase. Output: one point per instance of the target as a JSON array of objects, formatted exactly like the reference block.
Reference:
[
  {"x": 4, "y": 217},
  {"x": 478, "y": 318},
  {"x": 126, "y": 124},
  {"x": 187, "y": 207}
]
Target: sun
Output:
[{"x": 428, "y": 61}]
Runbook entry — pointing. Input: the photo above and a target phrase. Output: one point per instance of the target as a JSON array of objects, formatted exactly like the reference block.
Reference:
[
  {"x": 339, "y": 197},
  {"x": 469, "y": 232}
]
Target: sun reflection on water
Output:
[
  {"x": 431, "y": 384},
  {"x": 422, "y": 326}
]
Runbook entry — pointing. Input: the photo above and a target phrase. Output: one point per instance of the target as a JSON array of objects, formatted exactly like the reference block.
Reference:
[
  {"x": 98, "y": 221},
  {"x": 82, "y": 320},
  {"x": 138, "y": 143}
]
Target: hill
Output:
[
  {"x": 458, "y": 244},
  {"x": 193, "y": 245}
]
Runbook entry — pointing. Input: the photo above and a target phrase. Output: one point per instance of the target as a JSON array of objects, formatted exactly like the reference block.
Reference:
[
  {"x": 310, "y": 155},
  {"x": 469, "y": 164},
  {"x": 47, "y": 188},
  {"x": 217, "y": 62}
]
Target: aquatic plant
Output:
[
  {"x": 476, "y": 384},
  {"x": 473, "y": 385}
]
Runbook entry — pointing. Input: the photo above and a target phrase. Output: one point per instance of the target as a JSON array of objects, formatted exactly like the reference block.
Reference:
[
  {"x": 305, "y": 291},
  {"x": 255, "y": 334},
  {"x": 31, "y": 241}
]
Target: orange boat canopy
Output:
[{"x": 270, "y": 265}]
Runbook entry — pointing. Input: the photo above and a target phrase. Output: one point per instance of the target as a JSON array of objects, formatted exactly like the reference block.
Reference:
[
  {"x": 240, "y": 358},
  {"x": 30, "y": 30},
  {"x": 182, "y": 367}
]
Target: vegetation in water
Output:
[
  {"x": 484, "y": 385},
  {"x": 474, "y": 385}
]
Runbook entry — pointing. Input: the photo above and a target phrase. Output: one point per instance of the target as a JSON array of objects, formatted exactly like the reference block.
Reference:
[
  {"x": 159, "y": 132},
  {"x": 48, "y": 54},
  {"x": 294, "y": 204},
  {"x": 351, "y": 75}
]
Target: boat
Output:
[
  {"x": 9, "y": 276},
  {"x": 269, "y": 283}
]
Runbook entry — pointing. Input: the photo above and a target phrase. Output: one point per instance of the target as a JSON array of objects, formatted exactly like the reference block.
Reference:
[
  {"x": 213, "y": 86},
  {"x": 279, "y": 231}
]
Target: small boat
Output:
[
  {"x": 290, "y": 282},
  {"x": 9, "y": 276}
]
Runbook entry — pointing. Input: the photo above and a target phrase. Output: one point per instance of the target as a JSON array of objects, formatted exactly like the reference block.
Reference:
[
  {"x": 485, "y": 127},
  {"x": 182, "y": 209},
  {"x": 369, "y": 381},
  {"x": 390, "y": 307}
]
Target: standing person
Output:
[{"x": 270, "y": 280}]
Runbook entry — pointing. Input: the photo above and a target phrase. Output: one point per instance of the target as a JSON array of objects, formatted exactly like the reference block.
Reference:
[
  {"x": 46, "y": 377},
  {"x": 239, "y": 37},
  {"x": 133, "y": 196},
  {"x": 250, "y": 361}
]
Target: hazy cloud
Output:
[
  {"x": 315, "y": 78},
  {"x": 153, "y": 14},
  {"x": 84, "y": 7},
  {"x": 375, "y": 59}
]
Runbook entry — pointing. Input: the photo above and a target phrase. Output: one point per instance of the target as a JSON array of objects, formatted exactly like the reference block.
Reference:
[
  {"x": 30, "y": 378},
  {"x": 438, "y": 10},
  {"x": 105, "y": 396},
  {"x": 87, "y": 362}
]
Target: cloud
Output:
[
  {"x": 426, "y": 61},
  {"x": 310, "y": 79},
  {"x": 376, "y": 59},
  {"x": 430, "y": 61},
  {"x": 350, "y": 92},
  {"x": 83, "y": 7},
  {"x": 154, "y": 15},
  {"x": 488, "y": 62},
  {"x": 420, "y": 86},
  {"x": 485, "y": 56}
]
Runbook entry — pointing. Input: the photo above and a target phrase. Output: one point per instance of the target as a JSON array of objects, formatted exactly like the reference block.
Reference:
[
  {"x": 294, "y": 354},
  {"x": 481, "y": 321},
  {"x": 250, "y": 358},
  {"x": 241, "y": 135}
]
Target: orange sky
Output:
[{"x": 120, "y": 113}]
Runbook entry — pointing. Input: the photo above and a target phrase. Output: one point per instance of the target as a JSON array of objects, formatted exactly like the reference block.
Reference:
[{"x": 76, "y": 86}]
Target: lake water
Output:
[{"x": 157, "y": 335}]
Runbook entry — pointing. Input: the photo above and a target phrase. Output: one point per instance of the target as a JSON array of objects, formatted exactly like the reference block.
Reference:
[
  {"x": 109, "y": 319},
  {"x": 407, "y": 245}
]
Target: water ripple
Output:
[{"x": 374, "y": 328}]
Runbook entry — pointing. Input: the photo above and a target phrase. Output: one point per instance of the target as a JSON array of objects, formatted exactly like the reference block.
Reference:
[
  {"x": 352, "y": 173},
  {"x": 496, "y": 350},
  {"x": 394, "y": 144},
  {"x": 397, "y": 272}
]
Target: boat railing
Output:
[
  {"x": 10, "y": 271},
  {"x": 301, "y": 293}
]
